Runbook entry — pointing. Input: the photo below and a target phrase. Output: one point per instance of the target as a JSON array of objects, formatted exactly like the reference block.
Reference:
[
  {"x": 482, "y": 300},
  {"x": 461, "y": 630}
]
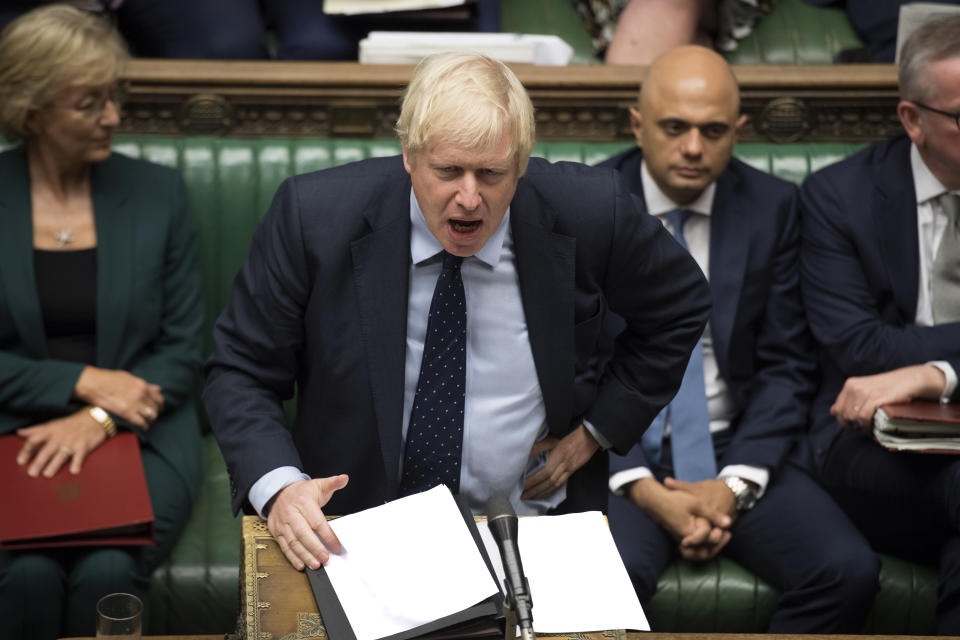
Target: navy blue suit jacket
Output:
[
  {"x": 321, "y": 303},
  {"x": 860, "y": 272},
  {"x": 760, "y": 337}
]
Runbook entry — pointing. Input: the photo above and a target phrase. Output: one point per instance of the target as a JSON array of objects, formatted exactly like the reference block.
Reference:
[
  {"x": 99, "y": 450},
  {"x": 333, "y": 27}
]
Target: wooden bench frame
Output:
[{"x": 836, "y": 103}]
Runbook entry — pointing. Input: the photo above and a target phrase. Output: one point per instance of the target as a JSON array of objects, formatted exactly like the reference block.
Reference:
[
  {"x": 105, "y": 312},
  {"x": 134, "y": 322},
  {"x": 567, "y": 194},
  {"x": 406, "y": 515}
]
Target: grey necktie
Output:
[{"x": 945, "y": 275}]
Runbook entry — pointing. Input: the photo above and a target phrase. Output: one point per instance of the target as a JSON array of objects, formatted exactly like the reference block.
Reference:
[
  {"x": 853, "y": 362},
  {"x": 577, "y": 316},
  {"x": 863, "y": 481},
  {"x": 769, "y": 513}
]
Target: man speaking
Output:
[{"x": 437, "y": 315}]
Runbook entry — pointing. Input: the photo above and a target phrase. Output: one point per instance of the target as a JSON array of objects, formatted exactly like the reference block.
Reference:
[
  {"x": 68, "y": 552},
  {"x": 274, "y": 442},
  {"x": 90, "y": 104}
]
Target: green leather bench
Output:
[{"x": 230, "y": 184}]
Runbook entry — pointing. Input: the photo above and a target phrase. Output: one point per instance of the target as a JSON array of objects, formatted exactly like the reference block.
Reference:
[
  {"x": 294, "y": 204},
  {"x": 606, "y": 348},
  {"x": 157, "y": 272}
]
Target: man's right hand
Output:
[
  {"x": 862, "y": 396},
  {"x": 700, "y": 531},
  {"x": 297, "y": 523}
]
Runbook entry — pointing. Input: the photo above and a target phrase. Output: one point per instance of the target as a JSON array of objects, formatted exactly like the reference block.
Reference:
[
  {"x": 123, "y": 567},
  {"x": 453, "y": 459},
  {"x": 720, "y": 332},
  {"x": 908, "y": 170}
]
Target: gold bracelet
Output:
[{"x": 101, "y": 416}]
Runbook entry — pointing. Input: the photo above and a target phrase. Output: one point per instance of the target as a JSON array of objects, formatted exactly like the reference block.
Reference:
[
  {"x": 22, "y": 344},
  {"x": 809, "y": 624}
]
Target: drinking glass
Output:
[{"x": 118, "y": 617}]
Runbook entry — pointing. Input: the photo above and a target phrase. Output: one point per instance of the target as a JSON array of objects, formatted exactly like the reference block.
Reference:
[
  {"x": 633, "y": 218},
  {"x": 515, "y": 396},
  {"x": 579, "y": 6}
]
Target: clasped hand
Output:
[
  {"x": 698, "y": 515},
  {"x": 121, "y": 394}
]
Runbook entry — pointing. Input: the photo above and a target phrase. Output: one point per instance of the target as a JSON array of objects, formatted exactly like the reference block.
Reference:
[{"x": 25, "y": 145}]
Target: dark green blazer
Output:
[{"x": 149, "y": 307}]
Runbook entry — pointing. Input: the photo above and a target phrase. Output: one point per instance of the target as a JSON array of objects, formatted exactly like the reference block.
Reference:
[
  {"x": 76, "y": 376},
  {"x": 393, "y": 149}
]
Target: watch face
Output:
[{"x": 744, "y": 494}]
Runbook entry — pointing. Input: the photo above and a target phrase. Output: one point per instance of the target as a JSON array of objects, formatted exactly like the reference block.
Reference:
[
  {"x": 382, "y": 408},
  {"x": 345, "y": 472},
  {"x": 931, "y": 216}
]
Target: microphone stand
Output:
[{"x": 518, "y": 605}]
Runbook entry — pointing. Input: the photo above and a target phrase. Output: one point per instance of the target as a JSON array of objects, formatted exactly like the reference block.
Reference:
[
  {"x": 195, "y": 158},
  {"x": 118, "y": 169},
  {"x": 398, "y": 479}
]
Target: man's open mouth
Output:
[{"x": 461, "y": 226}]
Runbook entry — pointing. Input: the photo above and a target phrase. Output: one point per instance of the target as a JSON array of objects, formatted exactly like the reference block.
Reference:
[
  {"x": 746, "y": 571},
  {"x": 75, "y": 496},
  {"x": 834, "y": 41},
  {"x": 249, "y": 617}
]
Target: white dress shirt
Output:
[
  {"x": 931, "y": 222},
  {"x": 720, "y": 404}
]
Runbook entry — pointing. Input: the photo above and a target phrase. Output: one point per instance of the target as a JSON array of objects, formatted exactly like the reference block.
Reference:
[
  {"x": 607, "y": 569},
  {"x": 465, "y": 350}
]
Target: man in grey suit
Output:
[{"x": 498, "y": 267}]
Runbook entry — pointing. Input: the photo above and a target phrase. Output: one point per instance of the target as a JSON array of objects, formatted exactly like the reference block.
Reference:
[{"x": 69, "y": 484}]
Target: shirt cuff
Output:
[
  {"x": 759, "y": 476},
  {"x": 620, "y": 480},
  {"x": 599, "y": 437},
  {"x": 270, "y": 483},
  {"x": 951, "y": 377}
]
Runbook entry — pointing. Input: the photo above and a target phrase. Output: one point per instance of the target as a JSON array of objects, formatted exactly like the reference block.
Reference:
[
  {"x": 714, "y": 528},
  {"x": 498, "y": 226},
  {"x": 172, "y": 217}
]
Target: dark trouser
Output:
[
  {"x": 906, "y": 504},
  {"x": 47, "y": 594},
  {"x": 206, "y": 29},
  {"x": 795, "y": 538}
]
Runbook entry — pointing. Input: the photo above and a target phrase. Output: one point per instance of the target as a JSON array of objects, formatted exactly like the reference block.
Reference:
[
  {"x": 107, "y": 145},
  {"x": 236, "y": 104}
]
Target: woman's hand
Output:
[
  {"x": 122, "y": 394},
  {"x": 52, "y": 444}
]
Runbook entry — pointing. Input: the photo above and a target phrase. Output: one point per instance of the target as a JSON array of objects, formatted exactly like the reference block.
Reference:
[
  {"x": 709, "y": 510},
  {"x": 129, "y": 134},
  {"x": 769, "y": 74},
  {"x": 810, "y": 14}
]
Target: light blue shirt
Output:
[{"x": 504, "y": 412}]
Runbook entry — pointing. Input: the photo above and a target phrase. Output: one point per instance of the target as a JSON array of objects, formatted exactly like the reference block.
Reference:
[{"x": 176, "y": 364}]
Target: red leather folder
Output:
[
  {"x": 925, "y": 412},
  {"x": 919, "y": 426},
  {"x": 106, "y": 504}
]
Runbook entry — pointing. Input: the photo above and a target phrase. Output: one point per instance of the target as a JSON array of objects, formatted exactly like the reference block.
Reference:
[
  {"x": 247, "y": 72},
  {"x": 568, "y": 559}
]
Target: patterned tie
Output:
[
  {"x": 945, "y": 274},
  {"x": 691, "y": 443},
  {"x": 435, "y": 432}
]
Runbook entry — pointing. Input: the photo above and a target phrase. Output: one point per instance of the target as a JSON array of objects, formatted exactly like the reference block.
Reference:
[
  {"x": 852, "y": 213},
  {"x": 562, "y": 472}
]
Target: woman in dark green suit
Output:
[{"x": 100, "y": 310}]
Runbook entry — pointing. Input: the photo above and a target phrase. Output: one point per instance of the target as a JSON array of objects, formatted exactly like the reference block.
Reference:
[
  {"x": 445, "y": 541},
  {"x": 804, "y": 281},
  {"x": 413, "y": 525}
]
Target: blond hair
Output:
[
  {"x": 468, "y": 100},
  {"x": 50, "y": 49}
]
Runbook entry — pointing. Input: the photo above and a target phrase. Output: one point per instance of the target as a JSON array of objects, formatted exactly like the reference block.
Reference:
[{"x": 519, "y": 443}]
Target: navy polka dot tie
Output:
[{"x": 435, "y": 433}]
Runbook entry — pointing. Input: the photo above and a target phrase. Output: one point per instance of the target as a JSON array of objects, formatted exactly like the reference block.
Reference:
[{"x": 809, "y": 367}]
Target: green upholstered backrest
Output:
[
  {"x": 796, "y": 33},
  {"x": 232, "y": 181}
]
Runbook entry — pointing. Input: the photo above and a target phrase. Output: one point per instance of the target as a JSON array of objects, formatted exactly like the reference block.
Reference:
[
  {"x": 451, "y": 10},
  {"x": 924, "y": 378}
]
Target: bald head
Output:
[
  {"x": 687, "y": 120},
  {"x": 691, "y": 73}
]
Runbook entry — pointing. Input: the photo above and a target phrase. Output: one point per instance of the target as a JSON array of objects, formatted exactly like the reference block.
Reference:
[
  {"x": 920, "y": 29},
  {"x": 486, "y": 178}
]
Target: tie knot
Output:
[
  {"x": 677, "y": 218},
  {"x": 451, "y": 262},
  {"x": 950, "y": 202}
]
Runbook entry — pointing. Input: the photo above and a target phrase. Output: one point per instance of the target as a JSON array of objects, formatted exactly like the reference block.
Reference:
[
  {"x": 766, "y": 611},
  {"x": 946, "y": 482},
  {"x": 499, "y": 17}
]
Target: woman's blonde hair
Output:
[
  {"x": 468, "y": 100},
  {"x": 47, "y": 50}
]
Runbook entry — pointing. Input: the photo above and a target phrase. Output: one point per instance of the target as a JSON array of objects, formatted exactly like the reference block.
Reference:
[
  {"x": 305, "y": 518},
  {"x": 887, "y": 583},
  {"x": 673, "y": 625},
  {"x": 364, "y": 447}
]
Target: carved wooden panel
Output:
[{"x": 848, "y": 103}]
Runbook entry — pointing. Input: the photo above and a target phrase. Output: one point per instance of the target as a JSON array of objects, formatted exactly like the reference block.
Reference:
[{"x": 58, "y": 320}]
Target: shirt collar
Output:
[
  {"x": 925, "y": 183},
  {"x": 424, "y": 245},
  {"x": 658, "y": 203}
]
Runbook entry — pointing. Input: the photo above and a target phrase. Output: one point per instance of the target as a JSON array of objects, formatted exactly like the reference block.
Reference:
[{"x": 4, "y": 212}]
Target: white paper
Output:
[
  {"x": 407, "y": 47},
  {"x": 577, "y": 579},
  {"x": 406, "y": 563},
  {"x": 354, "y": 7}
]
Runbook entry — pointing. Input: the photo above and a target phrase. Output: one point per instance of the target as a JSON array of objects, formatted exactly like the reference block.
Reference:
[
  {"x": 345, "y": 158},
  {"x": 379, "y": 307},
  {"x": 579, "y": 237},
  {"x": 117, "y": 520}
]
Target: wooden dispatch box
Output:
[{"x": 277, "y": 602}]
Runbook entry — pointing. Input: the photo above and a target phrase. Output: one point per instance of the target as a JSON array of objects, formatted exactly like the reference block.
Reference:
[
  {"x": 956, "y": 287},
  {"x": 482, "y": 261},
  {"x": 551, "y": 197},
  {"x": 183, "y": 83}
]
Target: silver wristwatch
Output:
[{"x": 745, "y": 493}]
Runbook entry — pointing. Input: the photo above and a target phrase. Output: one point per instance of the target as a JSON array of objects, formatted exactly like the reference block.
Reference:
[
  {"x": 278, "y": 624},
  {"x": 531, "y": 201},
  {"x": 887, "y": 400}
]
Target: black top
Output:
[{"x": 67, "y": 290}]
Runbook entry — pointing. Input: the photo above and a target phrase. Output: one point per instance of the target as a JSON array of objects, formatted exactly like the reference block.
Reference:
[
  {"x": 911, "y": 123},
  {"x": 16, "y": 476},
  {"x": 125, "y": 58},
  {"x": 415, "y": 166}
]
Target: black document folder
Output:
[{"x": 483, "y": 620}]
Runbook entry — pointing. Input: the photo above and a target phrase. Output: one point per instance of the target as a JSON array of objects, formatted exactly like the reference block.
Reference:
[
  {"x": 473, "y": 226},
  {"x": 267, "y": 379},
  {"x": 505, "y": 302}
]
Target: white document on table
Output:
[
  {"x": 406, "y": 563},
  {"x": 577, "y": 579}
]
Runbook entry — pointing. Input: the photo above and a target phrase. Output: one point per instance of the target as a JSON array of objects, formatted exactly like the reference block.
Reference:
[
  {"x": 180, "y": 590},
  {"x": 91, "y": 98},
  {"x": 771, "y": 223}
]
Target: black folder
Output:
[{"x": 483, "y": 620}]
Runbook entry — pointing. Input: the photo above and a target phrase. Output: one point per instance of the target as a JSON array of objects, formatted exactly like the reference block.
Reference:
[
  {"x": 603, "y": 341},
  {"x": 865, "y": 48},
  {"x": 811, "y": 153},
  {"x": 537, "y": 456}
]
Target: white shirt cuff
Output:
[
  {"x": 601, "y": 440},
  {"x": 951, "y": 377},
  {"x": 760, "y": 476},
  {"x": 270, "y": 483},
  {"x": 620, "y": 480}
]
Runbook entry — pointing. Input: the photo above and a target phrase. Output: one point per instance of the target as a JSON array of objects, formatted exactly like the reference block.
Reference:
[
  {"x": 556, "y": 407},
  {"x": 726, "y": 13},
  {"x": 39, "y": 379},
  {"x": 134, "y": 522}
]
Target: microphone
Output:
[{"x": 502, "y": 520}]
